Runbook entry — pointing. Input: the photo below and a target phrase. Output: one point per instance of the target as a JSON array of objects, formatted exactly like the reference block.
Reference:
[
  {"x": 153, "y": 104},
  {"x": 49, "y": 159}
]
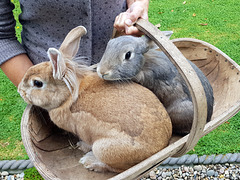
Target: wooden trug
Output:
[{"x": 52, "y": 150}]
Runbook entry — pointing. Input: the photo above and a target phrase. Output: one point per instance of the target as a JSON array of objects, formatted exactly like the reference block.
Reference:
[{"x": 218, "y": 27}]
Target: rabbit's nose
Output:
[{"x": 104, "y": 75}]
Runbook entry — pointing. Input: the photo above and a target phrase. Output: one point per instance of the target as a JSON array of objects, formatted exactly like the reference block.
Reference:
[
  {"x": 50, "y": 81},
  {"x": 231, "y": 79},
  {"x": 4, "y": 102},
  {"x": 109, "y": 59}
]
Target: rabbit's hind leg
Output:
[
  {"x": 84, "y": 147},
  {"x": 181, "y": 114},
  {"x": 120, "y": 152},
  {"x": 92, "y": 163}
]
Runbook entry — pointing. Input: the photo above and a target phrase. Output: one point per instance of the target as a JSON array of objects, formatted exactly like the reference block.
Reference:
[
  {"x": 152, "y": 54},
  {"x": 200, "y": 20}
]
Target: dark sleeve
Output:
[{"x": 9, "y": 45}]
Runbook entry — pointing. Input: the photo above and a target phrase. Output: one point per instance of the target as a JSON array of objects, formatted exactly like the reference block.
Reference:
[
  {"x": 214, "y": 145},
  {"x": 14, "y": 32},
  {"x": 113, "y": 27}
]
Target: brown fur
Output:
[{"x": 123, "y": 123}]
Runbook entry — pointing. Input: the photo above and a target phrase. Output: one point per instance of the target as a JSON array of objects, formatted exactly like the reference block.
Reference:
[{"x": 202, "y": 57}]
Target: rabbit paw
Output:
[
  {"x": 84, "y": 147},
  {"x": 92, "y": 163}
]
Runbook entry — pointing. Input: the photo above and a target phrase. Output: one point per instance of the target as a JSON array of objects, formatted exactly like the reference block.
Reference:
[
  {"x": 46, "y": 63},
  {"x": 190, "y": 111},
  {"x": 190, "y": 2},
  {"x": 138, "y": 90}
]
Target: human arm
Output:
[
  {"x": 13, "y": 60},
  {"x": 16, "y": 67},
  {"x": 136, "y": 9}
]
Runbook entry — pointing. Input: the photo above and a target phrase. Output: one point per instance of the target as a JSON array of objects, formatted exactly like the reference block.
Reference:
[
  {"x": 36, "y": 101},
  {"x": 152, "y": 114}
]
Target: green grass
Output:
[
  {"x": 11, "y": 109},
  {"x": 32, "y": 173},
  {"x": 225, "y": 139},
  {"x": 214, "y": 21}
]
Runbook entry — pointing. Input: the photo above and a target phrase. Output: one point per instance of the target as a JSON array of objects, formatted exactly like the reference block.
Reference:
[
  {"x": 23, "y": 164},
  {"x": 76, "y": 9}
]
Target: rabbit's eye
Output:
[
  {"x": 128, "y": 55},
  {"x": 37, "y": 83}
]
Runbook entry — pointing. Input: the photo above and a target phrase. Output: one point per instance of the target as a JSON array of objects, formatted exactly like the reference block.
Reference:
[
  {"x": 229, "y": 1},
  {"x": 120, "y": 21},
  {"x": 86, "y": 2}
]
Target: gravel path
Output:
[
  {"x": 225, "y": 171},
  {"x": 4, "y": 175},
  {"x": 197, "y": 172}
]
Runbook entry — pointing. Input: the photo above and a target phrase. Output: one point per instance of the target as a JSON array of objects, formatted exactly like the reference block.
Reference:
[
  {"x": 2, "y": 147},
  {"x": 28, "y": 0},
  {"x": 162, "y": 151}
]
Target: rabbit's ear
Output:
[
  {"x": 70, "y": 45},
  {"x": 58, "y": 63},
  {"x": 167, "y": 33},
  {"x": 151, "y": 43}
]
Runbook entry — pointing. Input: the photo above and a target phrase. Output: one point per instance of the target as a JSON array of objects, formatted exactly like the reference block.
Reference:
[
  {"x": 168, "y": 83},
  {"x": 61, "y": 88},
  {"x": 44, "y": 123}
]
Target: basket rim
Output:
[{"x": 28, "y": 144}]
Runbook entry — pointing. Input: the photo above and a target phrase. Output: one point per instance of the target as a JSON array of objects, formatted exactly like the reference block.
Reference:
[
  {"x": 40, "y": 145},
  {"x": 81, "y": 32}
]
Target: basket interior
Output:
[{"x": 221, "y": 71}]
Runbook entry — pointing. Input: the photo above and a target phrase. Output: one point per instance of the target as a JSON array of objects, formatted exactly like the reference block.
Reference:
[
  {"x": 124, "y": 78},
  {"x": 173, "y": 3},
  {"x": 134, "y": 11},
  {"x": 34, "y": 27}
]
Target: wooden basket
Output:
[{"x": 52, "y": 150}]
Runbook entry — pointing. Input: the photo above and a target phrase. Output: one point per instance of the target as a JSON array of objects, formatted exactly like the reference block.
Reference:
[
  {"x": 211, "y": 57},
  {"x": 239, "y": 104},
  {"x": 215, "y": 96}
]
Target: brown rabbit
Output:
[{"x": 119, "y": 124}]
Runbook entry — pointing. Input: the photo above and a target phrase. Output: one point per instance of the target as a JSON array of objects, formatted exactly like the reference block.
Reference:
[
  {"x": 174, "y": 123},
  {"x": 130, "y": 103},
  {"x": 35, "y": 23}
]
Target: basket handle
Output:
[{"x": 189, "y": 75}]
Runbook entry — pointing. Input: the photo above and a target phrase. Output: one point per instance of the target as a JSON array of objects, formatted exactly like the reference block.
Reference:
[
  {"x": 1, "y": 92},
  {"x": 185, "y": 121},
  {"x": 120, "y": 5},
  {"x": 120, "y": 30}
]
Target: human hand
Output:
[{"x": 124, "y": 22}]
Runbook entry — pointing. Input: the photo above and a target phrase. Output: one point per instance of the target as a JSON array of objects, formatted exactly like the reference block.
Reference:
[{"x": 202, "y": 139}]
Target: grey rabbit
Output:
[{"x": 136, "y": 58}]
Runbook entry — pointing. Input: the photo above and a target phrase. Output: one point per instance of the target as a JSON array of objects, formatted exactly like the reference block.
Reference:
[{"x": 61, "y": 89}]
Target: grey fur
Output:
[{"x": 154, "y": 70}]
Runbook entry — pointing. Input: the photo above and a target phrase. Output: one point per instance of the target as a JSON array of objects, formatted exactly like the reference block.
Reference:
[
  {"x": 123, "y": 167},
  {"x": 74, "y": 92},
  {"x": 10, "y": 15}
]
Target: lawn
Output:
[
  {"x": 213, "y": 21},
  {"x": 11, "y": 109}
]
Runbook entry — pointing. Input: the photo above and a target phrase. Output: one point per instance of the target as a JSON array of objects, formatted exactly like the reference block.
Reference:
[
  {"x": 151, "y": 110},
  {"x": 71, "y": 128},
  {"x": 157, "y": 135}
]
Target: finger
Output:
[
  {"x": 132, "y": 30},
  {"x": 119, "y": 23}
]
